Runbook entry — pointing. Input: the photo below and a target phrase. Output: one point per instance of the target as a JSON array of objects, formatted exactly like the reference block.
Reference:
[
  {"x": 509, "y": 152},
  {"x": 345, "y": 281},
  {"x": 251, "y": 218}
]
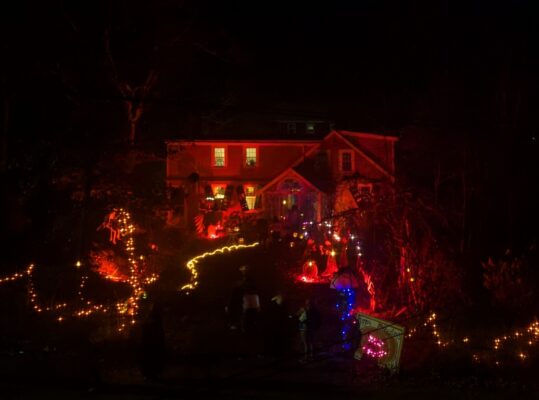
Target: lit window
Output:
[
  {"x": 346, "y": 161},
  {"x": 309, "y": 127},
  {"x": 219, "y": 159},
  {"x": 250, "y": 196},
  {"x": 250, "y": 156},
  {"x": 218, "y": 191}
]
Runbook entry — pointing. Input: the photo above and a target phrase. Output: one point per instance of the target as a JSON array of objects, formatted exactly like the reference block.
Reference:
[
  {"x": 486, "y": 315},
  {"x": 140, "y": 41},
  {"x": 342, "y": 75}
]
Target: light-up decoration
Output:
[
  {"x": 370, "y": 289},
  {"x": 331, "y": 265},
  {"x": 309, "y": 272},
  {"x": 345, "y": 306},
  {"x": 17, "y": 275},
  {"x": 380, "y": 339},
  {"x": 107, "y": 266},
  {"x": 516, "y": 344},
  {"x": 374, "y": 347},
  {"x": 192, "y": 263},
  {"x": 131, "y": 306},
  {"x": 119, "y": 223}
]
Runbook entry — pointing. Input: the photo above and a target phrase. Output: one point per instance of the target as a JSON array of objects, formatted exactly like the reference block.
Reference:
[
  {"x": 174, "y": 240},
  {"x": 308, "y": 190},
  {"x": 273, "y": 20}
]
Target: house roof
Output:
[
  {"x": 246, "y": 141},
  {"x": 356, "y": 146},
  {"x": 367, "y": 135}
]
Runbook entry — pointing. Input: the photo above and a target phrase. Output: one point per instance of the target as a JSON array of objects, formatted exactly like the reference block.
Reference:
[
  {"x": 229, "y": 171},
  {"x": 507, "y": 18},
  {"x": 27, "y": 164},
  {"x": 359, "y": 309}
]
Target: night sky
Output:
[{"x": 438, "y": 74}]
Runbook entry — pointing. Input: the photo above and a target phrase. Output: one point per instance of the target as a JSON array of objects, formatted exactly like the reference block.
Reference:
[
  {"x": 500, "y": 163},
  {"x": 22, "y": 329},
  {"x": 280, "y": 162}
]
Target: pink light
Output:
[{"x": 374, "y": 347}]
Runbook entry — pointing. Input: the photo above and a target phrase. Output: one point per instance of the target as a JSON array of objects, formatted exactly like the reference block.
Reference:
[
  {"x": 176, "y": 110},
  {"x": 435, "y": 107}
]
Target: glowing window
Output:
[
  {"x": 218, "y": 191},
  {"x": 250, "y": 156},
  {"x": 309, "y": 127},
  {"x": 346, "y": 161},
  {"x": 250, "y": 196},
  {"x": 219, "y": 157}
]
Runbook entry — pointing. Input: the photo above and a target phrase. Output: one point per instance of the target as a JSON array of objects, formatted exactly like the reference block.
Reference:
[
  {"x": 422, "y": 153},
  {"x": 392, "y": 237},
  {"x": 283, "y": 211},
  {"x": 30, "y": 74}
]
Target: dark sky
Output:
[{"x": 372, "y": 65}]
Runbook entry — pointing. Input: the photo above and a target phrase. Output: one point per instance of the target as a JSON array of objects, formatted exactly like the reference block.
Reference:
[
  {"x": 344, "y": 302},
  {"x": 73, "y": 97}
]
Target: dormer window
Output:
[
  {"x": 346, "y": 161},
  {"x": 219, "y": 157},
  {"x": 251, "y": 157}
]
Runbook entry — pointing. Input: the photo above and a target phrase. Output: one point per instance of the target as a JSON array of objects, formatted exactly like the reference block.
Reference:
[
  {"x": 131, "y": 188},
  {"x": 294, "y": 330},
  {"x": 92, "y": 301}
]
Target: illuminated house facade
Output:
[{"x": 272, "y": 177}]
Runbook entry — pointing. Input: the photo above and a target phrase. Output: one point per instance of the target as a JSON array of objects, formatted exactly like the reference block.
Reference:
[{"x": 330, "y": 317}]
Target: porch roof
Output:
[{"x": 291, "y": 172}]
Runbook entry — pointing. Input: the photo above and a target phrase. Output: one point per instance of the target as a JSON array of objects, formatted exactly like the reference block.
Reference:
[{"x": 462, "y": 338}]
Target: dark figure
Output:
[
  {"x": 262, "y": 229},
  {"x": 277, "y": 328},
  {"x": 294, "y": 219},
  {"x": 251, "y": 309},
  {"x": 152, "y": 346},
  {"x": 235, "y": 308},
  {"x": 309, "y": 324}
]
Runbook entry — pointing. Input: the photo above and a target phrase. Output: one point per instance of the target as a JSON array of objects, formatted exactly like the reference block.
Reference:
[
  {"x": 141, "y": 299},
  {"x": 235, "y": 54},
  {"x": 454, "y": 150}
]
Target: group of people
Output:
[{"x": 272, "y": 326}]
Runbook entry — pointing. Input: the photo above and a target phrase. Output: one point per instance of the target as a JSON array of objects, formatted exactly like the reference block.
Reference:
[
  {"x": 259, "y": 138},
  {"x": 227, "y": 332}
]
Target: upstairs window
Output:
[
  {"x": 251, "y": 157},
  {"x": 291, "y": 128},
  {"x": 219, "y": 156},
  {"x": 346, "y": 161},
  {"x": 310, "y": 128}
]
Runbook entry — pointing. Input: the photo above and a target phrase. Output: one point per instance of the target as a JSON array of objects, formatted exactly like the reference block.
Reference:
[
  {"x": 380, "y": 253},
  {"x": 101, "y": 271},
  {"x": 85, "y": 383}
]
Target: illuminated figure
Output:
[
  {"x": 331, "y": 266},
  {"x": 310, "y": 270},
  {"x": 111, "y": 224}
]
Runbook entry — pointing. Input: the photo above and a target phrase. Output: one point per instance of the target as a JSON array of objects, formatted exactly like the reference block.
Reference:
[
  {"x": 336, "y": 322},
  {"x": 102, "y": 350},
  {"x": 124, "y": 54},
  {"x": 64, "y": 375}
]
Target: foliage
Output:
[
  {"x": 412, "y": 240},
  {"x": 511, "y": 280}
]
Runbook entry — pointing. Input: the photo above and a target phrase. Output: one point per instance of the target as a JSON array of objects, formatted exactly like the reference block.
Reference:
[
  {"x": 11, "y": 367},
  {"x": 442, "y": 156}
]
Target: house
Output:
[{"x": 315, "y": 177}]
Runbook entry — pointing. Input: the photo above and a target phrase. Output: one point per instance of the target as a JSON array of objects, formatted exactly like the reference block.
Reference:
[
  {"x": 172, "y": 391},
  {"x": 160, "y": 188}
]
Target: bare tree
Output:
[{"x": 133, "y": 96}]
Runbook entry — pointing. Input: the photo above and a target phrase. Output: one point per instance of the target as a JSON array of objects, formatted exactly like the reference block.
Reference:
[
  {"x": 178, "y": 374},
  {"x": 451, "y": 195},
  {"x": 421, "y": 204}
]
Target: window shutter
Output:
[{"x": 242, "y": 200}]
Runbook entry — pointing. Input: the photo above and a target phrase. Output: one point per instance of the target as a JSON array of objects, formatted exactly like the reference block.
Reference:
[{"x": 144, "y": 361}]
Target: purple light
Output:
[{"x": 374, "y": 347}]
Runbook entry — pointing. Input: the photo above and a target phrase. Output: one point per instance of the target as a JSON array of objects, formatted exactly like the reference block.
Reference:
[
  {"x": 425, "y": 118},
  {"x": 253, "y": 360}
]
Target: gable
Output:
[
  {"x": 369, "y": 164},
  {"x": 289, "y": 173}
]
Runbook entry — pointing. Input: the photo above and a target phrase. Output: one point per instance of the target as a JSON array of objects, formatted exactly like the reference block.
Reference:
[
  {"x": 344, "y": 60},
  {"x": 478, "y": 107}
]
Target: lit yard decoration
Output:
[
  {"x": 517, "y": 345},
  {"x": 17, "y": 275},
  {"x": 381, "y": 340},
  {"x": 192, "y": 263},
  {"x": 121, "y": 229}
]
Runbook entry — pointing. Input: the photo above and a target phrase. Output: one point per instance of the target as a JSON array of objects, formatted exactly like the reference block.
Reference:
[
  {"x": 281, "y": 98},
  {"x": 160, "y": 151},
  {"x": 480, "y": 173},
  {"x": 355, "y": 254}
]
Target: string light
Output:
[
  {"x": 192, "y": 263},
  {"x": 127, "y": 310},
  {"x": 520, "y": 339},
  {"x": 374, "y": 347},
  {"x": 17, "y": 275}
]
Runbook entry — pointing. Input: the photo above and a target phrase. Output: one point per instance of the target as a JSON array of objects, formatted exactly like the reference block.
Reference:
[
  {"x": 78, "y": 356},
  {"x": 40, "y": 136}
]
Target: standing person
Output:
[
  {"x": 251, "y": 309},
  {"x": 309, "y": 324},
  {"x": 235, "y": 307},
  {"x": 276, "y": 331}
]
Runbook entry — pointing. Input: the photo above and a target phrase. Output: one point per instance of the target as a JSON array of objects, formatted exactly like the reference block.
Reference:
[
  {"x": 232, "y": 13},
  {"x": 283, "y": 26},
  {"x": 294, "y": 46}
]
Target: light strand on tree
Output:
[{"x": 127, "y": 309}]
